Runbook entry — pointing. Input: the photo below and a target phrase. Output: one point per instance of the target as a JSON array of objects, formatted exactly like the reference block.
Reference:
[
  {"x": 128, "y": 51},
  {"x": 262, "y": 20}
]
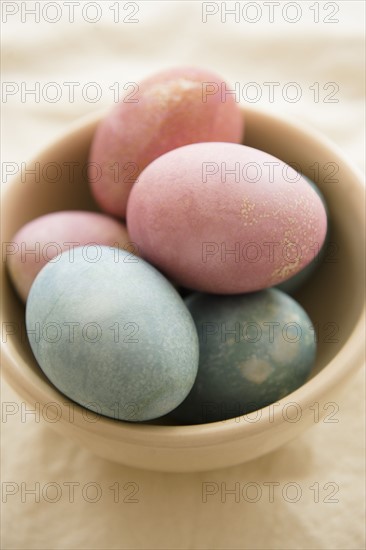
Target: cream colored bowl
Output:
[{"x": 333, "y": 298}]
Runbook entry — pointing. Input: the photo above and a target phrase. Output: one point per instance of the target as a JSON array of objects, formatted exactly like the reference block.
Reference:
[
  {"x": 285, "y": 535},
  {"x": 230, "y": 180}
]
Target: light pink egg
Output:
[
  {"x": 42, "y": 239},
  {"x": 225, "y": 218},
  {"x": 171, "y": 109}
]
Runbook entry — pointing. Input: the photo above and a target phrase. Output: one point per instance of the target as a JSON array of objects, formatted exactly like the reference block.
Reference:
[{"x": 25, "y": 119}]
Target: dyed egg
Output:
[
  {"x": 171, "y": 109},
  {"x": 254, "y": 350},
  {"x": 292, "y": 284},
  {"x": 43, "y": 239},
  {"x": 225, "y": 218},
  {"x": 112, "y": 334}
]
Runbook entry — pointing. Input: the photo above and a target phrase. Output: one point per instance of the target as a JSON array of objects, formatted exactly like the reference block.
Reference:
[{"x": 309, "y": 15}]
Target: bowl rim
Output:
[{"x": 350, "y": 357}]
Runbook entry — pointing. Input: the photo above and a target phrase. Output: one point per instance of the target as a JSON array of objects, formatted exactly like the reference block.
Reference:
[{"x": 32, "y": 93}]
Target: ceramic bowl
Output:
[{"x": 333, "y": 298}]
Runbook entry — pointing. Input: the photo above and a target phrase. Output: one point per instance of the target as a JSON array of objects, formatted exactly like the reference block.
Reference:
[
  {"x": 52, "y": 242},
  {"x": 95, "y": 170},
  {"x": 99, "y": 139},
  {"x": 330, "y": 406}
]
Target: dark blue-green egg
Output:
[
  {"x": 112, "y": 333},
  {"x": 254, "y": 349},
  {"x": 292, "y": 284}
]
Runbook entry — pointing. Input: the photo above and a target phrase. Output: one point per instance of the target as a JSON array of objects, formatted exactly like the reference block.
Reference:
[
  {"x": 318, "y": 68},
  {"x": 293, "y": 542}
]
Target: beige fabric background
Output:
[{"x": 325, "y": 466}]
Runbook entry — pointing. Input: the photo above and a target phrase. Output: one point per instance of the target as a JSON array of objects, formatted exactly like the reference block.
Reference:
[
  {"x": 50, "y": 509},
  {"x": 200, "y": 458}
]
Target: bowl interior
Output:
[{"x": 333, "y": 295}]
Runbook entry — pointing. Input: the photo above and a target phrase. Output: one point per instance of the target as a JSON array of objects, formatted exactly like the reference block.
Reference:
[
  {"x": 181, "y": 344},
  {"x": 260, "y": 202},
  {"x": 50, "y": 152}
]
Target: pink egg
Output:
[
  {"x": 42, "y": 239},
  {"x": 171, "y": 109},
  {"x": 225, "y": 218}
]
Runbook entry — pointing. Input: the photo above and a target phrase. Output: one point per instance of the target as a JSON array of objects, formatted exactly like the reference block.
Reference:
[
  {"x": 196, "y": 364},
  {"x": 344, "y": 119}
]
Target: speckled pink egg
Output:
[
  {"x": 42, "y": 239},
  {"x": 225, "y": 218},
  {"x": 166, "y": 111}
]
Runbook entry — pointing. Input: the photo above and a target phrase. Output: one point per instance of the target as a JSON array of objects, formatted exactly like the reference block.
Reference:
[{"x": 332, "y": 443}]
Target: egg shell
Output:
[
  {"x": 113, "y": 335},
  {"x": 254, "y": 349},
  {"x": 170, "y": 109},
  {"x": 292, "y": 285},
  {"x": 222, "y": 232},
  {"x": 52, "y": 234}
]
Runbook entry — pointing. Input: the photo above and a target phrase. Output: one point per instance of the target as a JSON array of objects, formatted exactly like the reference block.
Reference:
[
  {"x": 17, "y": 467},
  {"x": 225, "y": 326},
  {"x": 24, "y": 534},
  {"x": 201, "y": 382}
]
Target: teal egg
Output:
[
  {"x": 292, "y": 284},
  {"x": 254, "y": 349},
  {"x": 112, "y": 334}
]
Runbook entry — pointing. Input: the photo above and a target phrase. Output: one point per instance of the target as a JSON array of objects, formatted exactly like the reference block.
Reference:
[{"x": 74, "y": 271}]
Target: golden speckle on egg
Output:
[
  {"x": 247, "y": 213},
  {"x": 255, "y": 369},
  {"x": 282, "y": 348},
  {"x": 172, "y": 92}
]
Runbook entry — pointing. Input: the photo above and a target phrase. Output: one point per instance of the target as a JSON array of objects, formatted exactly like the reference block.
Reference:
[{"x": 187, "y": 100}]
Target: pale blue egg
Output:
[
  {"x": 254, "y": 349},
  {"x": 112, "y": 334}
]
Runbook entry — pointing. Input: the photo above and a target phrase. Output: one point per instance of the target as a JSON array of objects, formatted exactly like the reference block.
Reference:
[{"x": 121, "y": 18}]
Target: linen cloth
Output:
[{"x": 318, "y": 480}]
